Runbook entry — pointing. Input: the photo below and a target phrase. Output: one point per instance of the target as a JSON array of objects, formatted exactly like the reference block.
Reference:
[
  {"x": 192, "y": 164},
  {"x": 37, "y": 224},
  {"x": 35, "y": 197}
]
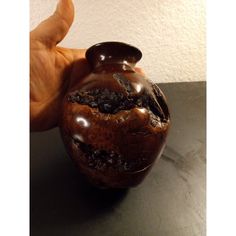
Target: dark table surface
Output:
[{"x": 170, "y": 202}]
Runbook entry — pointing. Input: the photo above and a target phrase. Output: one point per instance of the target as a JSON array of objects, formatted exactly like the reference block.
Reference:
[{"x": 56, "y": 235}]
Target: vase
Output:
[{"x": 115, "y": 121}]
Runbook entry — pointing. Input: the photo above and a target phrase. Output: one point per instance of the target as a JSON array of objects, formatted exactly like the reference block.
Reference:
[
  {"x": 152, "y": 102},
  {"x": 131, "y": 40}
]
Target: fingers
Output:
[
  {"x": 139, "y": 70},
  {"x": 80, "y": 66},
  {"x": 52, "y": 30},
  {"x": 78, "y": 53}
]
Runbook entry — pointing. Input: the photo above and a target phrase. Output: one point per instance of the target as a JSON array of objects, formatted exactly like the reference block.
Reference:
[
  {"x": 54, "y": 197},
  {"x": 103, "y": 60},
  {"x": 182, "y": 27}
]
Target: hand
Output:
[{"x": 52, "y": 69}]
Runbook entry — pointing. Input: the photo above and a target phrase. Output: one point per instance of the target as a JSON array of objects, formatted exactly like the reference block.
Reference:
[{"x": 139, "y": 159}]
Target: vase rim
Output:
[{"x": 116, "y": 49}]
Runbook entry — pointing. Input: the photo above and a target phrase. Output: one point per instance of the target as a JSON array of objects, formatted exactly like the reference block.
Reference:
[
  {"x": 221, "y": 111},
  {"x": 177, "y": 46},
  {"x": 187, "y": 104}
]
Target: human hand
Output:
[{"x": 52, "y": 67}]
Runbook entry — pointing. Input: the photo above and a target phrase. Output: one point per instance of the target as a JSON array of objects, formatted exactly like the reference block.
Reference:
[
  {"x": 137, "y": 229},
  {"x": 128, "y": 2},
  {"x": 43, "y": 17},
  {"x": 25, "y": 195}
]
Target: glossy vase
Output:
[{"x": 114, "y": 122}]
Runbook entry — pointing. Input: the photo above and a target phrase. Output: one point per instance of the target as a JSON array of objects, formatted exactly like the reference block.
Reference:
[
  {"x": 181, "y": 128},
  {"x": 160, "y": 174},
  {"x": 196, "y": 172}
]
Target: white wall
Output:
[{"x": 170, "y": 33}]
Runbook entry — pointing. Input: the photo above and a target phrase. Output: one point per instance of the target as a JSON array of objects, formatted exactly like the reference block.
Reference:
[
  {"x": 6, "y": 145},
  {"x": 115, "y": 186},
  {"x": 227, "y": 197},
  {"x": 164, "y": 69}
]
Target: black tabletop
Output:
[{"x": 170, "y": 201}]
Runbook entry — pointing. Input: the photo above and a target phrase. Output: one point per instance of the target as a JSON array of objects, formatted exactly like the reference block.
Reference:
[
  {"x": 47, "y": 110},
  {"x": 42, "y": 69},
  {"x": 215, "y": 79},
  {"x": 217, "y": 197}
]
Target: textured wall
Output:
[{"x": 170, "y": 33}]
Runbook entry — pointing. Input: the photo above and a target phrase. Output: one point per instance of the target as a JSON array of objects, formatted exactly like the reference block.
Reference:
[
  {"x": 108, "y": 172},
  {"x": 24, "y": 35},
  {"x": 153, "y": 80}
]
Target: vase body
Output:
[{"x": 114, "y": 122}]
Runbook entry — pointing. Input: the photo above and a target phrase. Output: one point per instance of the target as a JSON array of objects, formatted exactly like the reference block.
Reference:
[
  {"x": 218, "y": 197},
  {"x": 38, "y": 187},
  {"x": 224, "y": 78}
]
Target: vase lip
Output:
[{"x": 113, "y": 50}]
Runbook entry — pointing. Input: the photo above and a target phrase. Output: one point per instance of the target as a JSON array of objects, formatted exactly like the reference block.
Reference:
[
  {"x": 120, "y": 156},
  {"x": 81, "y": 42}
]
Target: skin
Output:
[{"x": 53, "y": 69}]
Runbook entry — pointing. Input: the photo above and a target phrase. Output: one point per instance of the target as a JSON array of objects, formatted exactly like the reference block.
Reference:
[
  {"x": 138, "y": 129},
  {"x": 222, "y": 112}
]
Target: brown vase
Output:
[{"x": 115, "y": 121}]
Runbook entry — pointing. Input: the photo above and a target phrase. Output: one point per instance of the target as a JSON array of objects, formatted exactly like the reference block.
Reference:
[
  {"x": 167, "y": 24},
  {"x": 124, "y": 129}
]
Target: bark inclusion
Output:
[
  {"x": 103, "y": 159},
  {"x": 111, "y": 102}
]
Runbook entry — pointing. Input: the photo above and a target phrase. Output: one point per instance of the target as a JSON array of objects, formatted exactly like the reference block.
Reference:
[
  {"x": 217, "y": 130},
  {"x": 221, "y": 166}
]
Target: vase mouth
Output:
[{"x": 113, "y": 51}]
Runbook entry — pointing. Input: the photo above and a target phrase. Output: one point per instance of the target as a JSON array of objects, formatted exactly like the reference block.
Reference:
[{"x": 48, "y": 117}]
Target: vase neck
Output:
[
  {"x": 116, "y": 66},
  {"x": 113, "y": 56}
]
